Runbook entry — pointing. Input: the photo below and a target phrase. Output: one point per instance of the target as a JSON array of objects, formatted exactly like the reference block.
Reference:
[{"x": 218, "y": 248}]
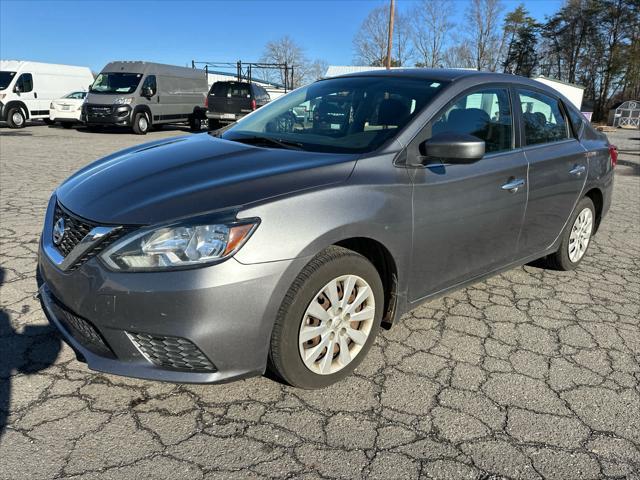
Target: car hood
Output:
[{"x": 184, "y": 176}]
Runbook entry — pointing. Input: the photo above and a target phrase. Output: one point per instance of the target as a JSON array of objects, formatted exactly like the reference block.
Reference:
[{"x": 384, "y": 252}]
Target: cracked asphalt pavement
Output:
[{"x": 530, "y": 374}]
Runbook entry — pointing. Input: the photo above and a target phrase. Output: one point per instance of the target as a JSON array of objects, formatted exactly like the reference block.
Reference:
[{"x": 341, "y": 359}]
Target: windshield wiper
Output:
[{"x": 275, "y": 142}]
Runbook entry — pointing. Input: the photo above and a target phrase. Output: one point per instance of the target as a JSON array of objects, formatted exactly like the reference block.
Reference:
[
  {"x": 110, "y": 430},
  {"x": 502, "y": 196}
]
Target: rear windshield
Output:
[
  {"x": 117, "y": 82},
  {"x": 5, "y": 79},
  {"x": 341, "y": 115},
  {"x": 230, "y": 90},
  {"x": 76, "y": 95}
]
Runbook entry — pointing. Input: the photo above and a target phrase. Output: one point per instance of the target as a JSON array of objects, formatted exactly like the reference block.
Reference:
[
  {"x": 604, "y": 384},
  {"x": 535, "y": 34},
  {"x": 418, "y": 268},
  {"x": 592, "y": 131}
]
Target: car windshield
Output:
[
  {"x": 341, "y": 115},
  {"x": 5, "y": 79},
  {"x": 116, "y": 83},
  {"x": 76, "y": 95}
]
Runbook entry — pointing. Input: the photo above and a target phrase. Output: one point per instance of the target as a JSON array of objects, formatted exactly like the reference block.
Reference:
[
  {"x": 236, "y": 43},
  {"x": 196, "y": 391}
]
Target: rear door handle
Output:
[{"x": 578, "y": 170}]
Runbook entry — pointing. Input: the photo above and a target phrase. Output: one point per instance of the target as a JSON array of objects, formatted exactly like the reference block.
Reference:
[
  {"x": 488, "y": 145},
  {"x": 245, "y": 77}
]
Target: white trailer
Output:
[
  {"x": 573, "y": 92},
  {"x": 28, "y": 88}
]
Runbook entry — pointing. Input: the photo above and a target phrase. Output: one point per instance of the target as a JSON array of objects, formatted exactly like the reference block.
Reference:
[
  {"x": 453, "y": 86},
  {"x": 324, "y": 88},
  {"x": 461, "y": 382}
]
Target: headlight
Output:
[
  {"x": 177, "y": 246},
  {"x": 123, "y": 101}
]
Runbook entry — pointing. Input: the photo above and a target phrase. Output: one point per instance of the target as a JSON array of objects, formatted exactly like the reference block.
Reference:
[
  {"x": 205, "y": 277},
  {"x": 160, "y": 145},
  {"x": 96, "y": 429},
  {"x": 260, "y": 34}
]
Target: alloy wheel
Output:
[
  {"x": 336, "y": 324},
  {"x": 580, "y": 235}
]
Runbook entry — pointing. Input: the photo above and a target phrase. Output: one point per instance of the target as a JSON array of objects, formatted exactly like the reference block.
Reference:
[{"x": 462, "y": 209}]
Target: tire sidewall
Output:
[
  {"x": 565, "y": 261},
  {"x": 296, "y": 372}
]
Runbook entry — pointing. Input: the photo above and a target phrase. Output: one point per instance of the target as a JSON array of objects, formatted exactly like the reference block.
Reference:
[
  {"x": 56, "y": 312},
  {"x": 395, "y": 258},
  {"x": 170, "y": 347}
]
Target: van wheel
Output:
[
  {"x": 328, "y": 320},
  {"x": 213, "y": 124},
  {"x": 575, "y": 239},
  {"x": 195, "y": 123},
  {"x": 67, "y": 125},
  {"x": 16, "y": 118},
  {"x": 140, "y": 124}
]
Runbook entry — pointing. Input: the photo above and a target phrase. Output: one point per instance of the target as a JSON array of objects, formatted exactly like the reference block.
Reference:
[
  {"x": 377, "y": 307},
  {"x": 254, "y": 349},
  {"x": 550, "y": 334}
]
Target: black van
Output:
[{"x": 230, "y": 101}]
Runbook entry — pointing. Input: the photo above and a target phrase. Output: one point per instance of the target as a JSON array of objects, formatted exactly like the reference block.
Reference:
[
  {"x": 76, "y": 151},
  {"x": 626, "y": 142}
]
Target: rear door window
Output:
[
  {"x": 25, "y": 82},
  {"x": 485, "y": 114},
  {"x": 542, "y": 117}
]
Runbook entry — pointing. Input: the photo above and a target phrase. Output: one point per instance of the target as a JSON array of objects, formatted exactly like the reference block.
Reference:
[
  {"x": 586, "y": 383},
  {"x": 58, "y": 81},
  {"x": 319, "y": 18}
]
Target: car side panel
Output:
[{"x": 374, "y": 203}]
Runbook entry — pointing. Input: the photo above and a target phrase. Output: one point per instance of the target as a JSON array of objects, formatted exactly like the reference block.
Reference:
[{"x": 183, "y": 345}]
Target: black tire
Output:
[
  {"x": 48, "y": 121},
  {"x": 140, "y": 123},
  {"x": 195, "y": 123},
  {"x": 213, "y": 124},
  {"x": 16, "y": 118},
  {"x": 284, "y": 355},
  {"x": 560, "y": 259},
  {"x": 67, "y": 125}
]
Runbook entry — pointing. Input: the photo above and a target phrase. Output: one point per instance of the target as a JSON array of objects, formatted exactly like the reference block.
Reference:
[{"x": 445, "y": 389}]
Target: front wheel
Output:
[
  {"x": 328, "y": 320},
  {"x": 16, "y": 118},
  {"x": 140, "y": 124},
  {"x": 575, "y": 239}
]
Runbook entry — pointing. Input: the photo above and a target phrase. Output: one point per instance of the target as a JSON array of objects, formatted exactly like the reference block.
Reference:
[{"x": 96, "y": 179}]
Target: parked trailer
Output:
[
  {"x": 28, "y": 88},
  {"x": 142, "y": 94}
]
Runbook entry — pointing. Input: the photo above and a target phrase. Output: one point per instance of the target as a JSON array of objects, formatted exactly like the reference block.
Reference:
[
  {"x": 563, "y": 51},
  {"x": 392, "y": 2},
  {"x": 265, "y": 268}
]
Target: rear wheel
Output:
[
  {"x": 67, "y": 125},
  {"x": 48, "y": 121},
  {"x": 576, "y": 238},
  {"x": 195, "y": 123},
  {"x": 16, "y": 118},
  {"x": 140, "y": 124},
  {"x": 328, "y": 320}
]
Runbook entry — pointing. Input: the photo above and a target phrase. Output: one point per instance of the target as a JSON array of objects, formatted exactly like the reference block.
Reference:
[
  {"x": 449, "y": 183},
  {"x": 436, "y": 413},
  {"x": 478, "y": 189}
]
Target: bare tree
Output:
[
  {"x": 458, "y": 56},
  {"x": 285, "y": 50},
  {"x": 317, "y": 70},
  {"x": 431, "y": 25},
  {"x": 484, "y": 23},
  {"x": 370, "y": 43}
]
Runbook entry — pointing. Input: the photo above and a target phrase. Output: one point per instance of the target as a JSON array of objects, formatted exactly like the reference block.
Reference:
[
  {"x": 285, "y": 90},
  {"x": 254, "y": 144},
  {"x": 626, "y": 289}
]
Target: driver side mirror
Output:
[
  {"x": 147, "y": 92},
  {"x": 17, "y": 89},
  {"x": 455, "y": 148}
]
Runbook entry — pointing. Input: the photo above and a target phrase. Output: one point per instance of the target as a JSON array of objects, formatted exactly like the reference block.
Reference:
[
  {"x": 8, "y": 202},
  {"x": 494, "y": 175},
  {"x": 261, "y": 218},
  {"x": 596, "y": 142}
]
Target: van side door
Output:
[
  {"x": 557, "y": 169},
  {"x": 467, "y": 217}
]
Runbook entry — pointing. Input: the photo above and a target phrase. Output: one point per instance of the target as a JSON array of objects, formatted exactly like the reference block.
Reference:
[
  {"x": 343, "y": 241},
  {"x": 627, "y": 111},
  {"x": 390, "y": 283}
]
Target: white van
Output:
[{"x": 28, "y": 88}]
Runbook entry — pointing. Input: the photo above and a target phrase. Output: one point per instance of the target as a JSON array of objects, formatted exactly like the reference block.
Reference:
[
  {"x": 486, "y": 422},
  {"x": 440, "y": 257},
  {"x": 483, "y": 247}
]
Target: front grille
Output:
[
  {"x": 85, "y": 333},
  {"x": 99, "y": 110},
  {"x": 75, "y": 230},
  {"x": 171, "y": 352}
]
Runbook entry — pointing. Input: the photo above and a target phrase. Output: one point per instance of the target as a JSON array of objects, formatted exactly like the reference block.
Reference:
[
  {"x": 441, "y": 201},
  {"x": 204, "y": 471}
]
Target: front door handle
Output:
[
  {"x": 578, "y": 170},
  {"x": 513, "y": 185}
]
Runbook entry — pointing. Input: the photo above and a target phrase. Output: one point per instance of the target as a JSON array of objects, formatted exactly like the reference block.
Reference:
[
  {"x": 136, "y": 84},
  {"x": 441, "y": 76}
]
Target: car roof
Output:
[{"x": 456, "y": 75}]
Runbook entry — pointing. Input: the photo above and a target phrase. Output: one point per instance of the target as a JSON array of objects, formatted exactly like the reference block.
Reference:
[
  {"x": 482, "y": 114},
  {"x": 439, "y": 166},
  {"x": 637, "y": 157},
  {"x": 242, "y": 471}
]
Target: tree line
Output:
[{"x": 594, "y": 43}]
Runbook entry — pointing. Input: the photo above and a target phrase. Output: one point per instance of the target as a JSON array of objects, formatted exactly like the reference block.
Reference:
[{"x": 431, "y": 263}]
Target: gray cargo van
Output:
[{"x": 141, "y": 95}]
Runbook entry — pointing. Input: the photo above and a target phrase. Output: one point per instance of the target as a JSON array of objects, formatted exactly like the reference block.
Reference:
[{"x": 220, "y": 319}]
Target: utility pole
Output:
[{"x": 390, "y": 39}]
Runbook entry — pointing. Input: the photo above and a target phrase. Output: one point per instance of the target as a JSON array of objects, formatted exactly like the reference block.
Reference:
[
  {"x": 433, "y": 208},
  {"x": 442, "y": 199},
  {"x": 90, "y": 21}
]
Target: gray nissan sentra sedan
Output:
[{"x": 286, "y": 241}]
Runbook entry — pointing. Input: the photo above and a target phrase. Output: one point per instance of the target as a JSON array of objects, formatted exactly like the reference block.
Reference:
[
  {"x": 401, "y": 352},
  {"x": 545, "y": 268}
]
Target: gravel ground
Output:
[{"x": 529, "y": 374}]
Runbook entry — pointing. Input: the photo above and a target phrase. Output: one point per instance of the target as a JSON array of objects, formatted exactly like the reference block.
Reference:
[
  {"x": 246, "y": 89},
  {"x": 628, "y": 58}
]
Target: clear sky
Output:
[{"x": 92, "y": 33}]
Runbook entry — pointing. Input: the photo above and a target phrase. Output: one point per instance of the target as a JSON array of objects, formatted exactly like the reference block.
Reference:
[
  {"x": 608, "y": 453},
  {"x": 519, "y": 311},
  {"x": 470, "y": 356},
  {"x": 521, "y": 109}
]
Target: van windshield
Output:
[
  {"x": 340, "y": 115},
  {"x": 5, "y": 79},
  {"x": 116, "y": 83}
]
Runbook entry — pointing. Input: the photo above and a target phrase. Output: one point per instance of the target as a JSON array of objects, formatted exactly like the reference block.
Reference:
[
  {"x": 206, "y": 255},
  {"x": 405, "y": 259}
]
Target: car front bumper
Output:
[{"x": 202, "y": 325}]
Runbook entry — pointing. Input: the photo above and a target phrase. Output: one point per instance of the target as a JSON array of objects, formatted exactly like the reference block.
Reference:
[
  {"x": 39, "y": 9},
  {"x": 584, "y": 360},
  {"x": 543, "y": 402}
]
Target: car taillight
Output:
[
  {"x": 613, "y": 154},
  {"x": 206, "y": 102},
  {"x": 253, "y": 104}
]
